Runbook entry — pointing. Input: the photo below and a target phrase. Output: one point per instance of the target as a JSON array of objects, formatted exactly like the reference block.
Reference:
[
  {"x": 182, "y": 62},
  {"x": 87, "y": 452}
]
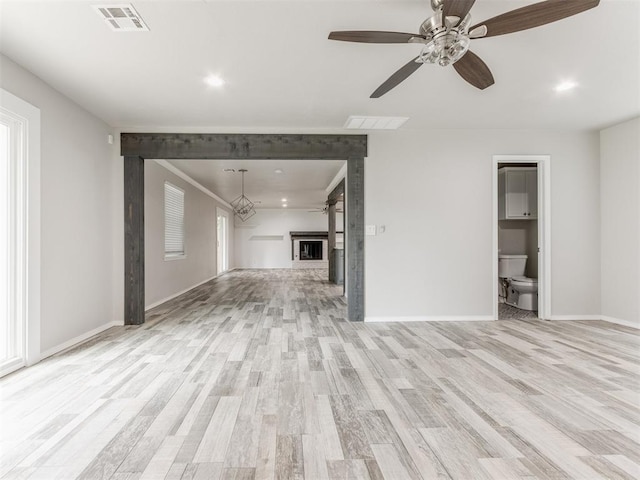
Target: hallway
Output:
[{"x": 256, "y": 374}]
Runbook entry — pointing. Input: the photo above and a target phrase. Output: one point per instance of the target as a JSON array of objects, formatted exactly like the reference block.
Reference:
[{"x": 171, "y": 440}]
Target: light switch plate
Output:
[{"x": 370, "y": 230}]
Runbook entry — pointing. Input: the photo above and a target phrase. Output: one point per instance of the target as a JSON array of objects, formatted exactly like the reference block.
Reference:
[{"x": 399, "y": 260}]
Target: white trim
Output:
[
  {"x": 444, "y": 318},
  {"x": 31, "y": 115},
  {"x": 544, "y": 228},
  {"x": 337, "y": 179},
  {"x": 181, "y": 292},
  {"x": 74, "y": 342},
  {"x": 569, "y": 318},
  {"x": 620, "y": 321},
  {"x": 11, "y": 366},
  {"x": 178, "y": 256},
  {"x": 221, "y": 212},
  {"x": 188, "y": 179}
]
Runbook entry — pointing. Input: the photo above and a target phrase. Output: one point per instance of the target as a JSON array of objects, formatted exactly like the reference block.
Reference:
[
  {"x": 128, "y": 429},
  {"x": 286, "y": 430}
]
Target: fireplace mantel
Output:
[{"x": 299, "y": 235}]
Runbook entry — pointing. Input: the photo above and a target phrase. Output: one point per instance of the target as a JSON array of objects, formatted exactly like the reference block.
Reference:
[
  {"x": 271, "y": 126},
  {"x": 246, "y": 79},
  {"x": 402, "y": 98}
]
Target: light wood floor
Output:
[{"x": 258, "y": 375}]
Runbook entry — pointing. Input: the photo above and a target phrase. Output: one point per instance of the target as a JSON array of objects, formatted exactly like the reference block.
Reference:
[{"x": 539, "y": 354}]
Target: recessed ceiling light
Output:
[
  {"x": 278, "y": 170},
  {"x": 214, "y": 81},
  {"x": 284, "y": 199},
  {"x": 566, "y": 86},
  {"x": 284, "y": 205}
]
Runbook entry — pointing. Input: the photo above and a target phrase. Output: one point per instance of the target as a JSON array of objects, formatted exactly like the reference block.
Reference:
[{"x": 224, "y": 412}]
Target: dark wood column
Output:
[
  {"x": 133, "y": 240},
  {"x": 331, "y": 214},
  {"x": 355, "y": 238},
  {"x": 332, "y": 200}
]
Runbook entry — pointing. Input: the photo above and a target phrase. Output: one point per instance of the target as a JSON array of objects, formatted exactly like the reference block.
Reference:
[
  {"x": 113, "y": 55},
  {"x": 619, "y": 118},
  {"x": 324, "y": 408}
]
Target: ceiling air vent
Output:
[
  {"x": 121, "y": 17},
  {"x": 374, "y": 123}
]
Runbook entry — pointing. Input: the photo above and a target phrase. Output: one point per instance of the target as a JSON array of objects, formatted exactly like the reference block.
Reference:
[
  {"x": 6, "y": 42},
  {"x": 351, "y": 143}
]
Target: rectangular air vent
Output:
[
  {"x": 121, "y": 17},
  {"x": 362, "y": 122}
]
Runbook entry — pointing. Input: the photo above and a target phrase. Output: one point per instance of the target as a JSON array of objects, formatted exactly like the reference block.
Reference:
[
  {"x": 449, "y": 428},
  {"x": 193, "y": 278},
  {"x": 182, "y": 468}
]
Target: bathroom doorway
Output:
[{"x": 521, "y": 237}]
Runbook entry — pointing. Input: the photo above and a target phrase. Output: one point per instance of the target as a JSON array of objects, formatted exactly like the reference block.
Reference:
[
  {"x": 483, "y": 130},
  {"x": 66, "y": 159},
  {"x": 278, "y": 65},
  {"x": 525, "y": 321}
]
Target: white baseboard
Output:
[
  {"x": 564, "y": 318},
  {"x": 79, "y": 339},
  {"x": 619, "y": 321},
  {"x": 181, "y": 292},
  {"x": 444, "y": 318}
]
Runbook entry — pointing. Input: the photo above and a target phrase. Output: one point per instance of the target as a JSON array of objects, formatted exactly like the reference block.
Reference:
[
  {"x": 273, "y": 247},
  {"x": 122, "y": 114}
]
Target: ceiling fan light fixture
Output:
[
  {"x": 446, "y": 41},
  {"x": 445, "y": 49}
]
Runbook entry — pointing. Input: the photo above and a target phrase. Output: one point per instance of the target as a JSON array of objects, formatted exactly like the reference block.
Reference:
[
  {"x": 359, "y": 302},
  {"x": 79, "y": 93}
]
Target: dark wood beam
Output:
[
  {"x": 355, "y": 239},
  {"x": 242, "y": 146},
  {"x": 133, "y": 240},
  {"x": 135, "y": 147}
]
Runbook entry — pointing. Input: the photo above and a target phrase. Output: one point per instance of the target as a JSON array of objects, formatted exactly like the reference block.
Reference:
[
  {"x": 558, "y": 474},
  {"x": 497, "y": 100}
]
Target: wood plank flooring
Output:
[{"x": 256, "y": 375}]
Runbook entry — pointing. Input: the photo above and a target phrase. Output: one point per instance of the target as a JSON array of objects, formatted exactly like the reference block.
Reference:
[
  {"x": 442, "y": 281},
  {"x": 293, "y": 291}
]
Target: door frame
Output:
[
  {"x": 28, "y": 213},
  {"x": 543, "y": 164},
  {"x": 221, "y": 212}
]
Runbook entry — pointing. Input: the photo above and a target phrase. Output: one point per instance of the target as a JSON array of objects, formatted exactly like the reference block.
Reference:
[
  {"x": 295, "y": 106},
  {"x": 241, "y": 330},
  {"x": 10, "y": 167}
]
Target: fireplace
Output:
[{"x": 310, "y": 249}]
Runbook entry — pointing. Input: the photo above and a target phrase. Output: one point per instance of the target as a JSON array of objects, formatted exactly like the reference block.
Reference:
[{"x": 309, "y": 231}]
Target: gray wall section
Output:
[
  {"x": 620, "y": 230},
  {"x": 165, "y": 278},
  {"x": 435, "y": 256},
  {"x": 263, "y": 241},
  {"x": 77, "y": 199}
]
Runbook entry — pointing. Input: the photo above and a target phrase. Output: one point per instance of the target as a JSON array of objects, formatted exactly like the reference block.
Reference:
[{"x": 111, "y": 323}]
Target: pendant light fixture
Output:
[{"x": 243, "y": 208}]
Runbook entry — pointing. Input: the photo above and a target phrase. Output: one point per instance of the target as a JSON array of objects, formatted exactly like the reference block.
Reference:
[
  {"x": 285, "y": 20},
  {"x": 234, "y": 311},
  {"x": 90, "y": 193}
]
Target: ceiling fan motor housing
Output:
[{"x": 445, "y": 41}]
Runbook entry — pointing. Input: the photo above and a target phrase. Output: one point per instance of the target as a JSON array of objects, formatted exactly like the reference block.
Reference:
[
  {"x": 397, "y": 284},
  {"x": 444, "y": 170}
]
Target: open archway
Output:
[{"x": 136, "y": 147}]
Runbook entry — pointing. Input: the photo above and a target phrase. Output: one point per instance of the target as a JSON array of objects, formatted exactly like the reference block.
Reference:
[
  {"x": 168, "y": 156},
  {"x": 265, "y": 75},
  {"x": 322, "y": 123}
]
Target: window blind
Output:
[{"x": 173, "y": 221}]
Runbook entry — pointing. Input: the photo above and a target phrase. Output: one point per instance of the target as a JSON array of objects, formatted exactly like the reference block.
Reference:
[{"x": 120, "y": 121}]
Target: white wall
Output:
[
  {"x": 620, "y": 208},
  {"x": 77, "y": 249},
  {"x": 264, "y": 241},
  {"x": 165, "y": 279},
  {"x": 433, "y": 192}
]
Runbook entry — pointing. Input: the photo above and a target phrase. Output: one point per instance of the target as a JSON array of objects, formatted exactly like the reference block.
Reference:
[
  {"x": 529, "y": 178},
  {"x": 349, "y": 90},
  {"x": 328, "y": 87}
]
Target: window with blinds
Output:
[{"x": 173, "y": 221}]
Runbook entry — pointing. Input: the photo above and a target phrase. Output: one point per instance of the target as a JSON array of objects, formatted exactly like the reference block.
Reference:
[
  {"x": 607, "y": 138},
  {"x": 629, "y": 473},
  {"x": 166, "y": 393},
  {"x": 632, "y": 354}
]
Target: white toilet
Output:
[{"x": 521, "y": 291}]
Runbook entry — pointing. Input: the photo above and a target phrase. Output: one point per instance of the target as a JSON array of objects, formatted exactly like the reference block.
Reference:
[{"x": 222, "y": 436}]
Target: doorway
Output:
[
  {"x": 531, "y": 228},
  {"x": 20, "y": 238},
  {"x": 222, "y": 237}
]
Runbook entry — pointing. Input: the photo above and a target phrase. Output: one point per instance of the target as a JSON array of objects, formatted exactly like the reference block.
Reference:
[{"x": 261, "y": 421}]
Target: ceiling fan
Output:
[
  {"x": 325, "y": 210},
  {"x": 447, "y": 34}
]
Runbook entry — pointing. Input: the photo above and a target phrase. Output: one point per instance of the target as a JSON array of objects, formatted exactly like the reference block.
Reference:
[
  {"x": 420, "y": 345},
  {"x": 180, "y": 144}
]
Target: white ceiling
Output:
[
  {"x": 282, "y": 72},
  {"x": 283, "y": 75},
  {"x": 302, "y": 183}
]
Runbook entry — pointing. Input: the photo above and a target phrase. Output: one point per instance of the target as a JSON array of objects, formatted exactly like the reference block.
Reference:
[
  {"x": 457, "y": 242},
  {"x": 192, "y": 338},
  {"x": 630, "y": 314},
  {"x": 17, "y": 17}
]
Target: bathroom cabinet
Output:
[{"x": 517, "y": 193}]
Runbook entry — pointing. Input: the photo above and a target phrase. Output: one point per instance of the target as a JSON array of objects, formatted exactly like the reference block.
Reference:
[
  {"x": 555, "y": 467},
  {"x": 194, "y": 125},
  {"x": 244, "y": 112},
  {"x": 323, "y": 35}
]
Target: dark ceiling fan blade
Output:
[
  {"x": 371, "y": 36},
  {"x": 457, "y": 8},
  {"x": 397, "y": 78},
  {"x": 533, "y": 16},
  {"x": 474, "y": 71}
]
